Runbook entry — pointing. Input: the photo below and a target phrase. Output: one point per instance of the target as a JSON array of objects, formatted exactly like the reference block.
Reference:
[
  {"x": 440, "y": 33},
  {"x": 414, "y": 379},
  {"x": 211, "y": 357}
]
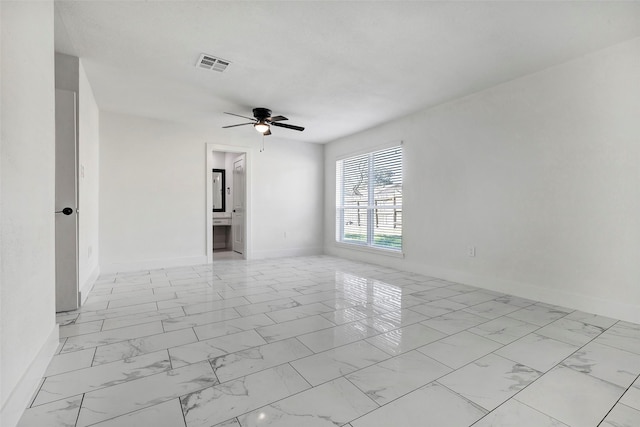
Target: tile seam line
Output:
[
  {"x": 410, "y": 391},
  {"x": 149, "y": 352},
  {"x": 103, "y": 387},
  {"x": 149, "y": 406},
  {"x": 549, "y": 370}
]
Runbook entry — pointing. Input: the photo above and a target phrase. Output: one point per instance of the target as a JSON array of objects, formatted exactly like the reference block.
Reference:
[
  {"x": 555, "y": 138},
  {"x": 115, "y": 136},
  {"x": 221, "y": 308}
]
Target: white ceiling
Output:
[{"x": 336, "y": 67}]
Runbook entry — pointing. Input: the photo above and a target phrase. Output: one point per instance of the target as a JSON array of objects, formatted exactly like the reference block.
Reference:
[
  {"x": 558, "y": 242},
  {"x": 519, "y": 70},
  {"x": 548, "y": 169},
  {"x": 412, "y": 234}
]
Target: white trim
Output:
[
  {"x": 575, "y": 301},
  {"x": 25, "y": 390},
  {"x": 372, "y": 149},
  {"x": 248, "y": 158},
  {"x": 370, "y": 249},
  {"x": 88, "y": 284},
  {"x": 281, "y": 253},
  {"x": 571, "y": 300},
  {"x": 370, "y": 208},
  {"x": 152, "y": 264}
]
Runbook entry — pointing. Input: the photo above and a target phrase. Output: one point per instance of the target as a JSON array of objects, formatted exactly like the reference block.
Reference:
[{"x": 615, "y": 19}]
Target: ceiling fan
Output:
[{"x": 262, "y": 121}]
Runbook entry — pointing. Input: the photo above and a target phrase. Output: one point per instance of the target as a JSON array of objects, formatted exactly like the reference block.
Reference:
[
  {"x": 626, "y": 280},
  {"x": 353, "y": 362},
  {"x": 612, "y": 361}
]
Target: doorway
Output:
[
  {"x": 238, "y": 206},
  {"x": 227, "y": 207},
  {"x": 66, "y": 202}
]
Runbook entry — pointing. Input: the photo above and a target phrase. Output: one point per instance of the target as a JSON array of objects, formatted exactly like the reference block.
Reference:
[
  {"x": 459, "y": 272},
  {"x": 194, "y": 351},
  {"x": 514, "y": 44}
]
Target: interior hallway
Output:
[{"x": 322, "y": 341}]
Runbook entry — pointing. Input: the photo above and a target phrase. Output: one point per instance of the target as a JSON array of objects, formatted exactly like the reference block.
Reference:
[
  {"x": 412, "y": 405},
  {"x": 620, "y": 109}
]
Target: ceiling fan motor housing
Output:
[
  {"x": 261, "y": 113},
  {"x": 263, "y": 120}
]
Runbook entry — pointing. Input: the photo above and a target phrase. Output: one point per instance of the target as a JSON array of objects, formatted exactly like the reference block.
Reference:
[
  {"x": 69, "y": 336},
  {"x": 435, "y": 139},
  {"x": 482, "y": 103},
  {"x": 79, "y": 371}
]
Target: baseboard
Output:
[
  {"x": 28, "y": 385},
  {"x": 281, "y": 253},
  {"x": 88, "y": 284},
  {"x": 603, "y": 307},
  {"x": 576, "y": 301},
  {"x": 151, "y": 264}
]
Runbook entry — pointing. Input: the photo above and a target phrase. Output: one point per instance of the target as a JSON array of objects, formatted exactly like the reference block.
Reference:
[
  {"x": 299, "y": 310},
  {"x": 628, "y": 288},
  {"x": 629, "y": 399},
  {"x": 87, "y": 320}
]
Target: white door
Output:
[
  {"x": 67, "y": 292},
  {"x": 239, "y": 203}
]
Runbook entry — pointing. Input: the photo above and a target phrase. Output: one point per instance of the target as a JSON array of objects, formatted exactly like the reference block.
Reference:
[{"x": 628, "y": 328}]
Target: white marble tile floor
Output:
[{"x": 323, "y": 341}]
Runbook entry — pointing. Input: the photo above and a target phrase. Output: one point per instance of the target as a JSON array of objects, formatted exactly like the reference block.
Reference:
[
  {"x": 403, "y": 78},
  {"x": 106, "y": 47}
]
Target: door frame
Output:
[
  {"x": 67, "y": 286},
  {"x": 248, "y": 154}
]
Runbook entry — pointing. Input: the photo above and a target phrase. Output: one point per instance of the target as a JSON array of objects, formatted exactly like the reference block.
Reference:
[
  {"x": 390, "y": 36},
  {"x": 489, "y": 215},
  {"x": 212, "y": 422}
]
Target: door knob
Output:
[{"x": 66, "y": 211}]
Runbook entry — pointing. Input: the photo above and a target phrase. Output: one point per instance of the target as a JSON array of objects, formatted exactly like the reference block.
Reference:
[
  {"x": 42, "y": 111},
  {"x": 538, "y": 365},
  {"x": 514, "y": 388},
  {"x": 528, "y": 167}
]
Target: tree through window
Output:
[{"x": 369, "y": 199}]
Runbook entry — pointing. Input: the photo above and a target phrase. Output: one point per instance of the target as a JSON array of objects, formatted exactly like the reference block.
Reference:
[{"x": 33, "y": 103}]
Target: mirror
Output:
[{"x": 218, "y": 190}]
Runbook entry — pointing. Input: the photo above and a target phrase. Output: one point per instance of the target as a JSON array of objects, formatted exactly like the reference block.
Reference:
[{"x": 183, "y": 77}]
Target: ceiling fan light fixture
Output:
[
  {"x": 261, "y": 127},
  {"x": 262, "y": 121}
]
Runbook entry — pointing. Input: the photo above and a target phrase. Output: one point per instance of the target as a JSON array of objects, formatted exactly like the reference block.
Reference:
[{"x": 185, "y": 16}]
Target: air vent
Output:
[{"x": 209, "y": 62}]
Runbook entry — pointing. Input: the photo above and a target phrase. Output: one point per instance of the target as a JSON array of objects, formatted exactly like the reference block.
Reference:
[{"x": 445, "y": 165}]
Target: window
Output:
[{"x": 369, "y": 199}]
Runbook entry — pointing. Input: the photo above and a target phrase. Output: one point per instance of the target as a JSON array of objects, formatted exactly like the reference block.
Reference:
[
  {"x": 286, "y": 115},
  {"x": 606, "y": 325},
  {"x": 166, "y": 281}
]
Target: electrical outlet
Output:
[
  {"x": 285, "y": 234},
  {"x": 471, "y": 251}
]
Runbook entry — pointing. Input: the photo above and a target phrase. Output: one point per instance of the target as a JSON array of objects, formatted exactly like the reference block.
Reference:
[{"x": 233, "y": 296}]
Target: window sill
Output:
[{"x": 370, "y": 249}]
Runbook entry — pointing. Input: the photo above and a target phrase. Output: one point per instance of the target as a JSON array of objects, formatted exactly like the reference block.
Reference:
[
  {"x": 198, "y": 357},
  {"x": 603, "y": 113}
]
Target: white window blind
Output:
[{"x": 369, "y": 199}]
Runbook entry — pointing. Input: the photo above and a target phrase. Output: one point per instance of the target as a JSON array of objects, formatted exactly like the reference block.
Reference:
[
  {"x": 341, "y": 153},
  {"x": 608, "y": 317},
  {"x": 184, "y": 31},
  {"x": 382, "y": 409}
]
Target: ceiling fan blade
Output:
[
  {"x": 238, "y": 115},
  {"x": 232, "y": 126},
  {"x": 277, "y": 118},
  {"x": 282, "y": 125},
  {"x": 268, "y": 132}
]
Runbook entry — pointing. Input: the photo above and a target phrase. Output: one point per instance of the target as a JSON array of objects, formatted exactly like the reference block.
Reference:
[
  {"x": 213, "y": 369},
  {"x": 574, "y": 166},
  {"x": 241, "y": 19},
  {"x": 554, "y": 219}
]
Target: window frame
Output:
[{"x": 371, "y": 207}]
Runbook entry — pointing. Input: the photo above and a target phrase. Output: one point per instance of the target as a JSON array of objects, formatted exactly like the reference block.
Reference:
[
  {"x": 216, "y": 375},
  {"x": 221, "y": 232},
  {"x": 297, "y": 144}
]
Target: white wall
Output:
[
  {"x": 152, "y": 193},
  {"x": 67, "y": 72},
  {"x": 217, "y": 160},
  {"x": 2, "y": 393},
  {"x": 540, "y": 174},
  {"x": 29, "y": 332},
  {"x": 288, "y": 199}
]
